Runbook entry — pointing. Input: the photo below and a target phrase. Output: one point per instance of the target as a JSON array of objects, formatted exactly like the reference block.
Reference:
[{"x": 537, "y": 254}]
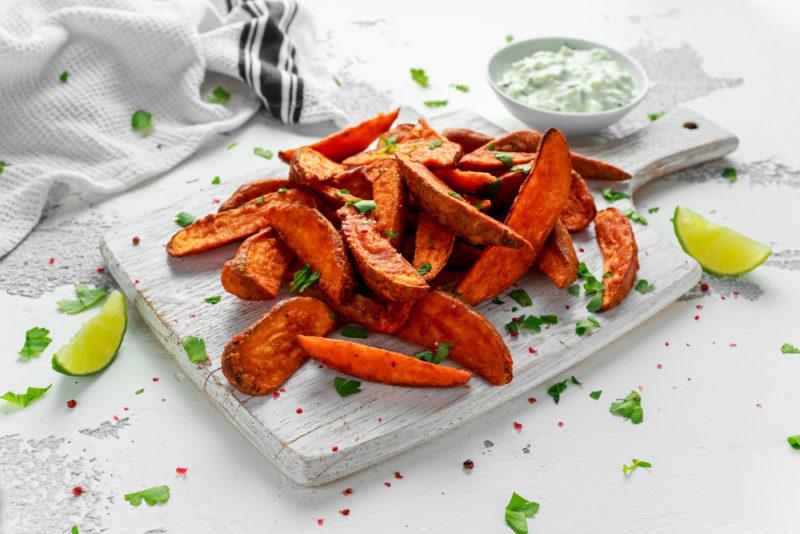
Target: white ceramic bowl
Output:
[{"x": 572, "y": 124}]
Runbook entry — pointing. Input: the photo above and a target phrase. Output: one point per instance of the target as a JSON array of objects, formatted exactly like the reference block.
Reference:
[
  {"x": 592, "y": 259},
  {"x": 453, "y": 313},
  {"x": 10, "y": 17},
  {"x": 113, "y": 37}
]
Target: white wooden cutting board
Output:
[{"x": 335, "y": 436}]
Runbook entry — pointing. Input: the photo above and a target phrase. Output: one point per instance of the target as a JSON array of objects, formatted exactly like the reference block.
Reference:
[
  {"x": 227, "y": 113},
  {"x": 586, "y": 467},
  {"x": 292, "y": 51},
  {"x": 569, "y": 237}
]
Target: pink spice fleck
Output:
[
  {"x": 78, "y": 491},
  {"x": 276, "y": 394},
  {"x": 658, "y": 366},
  {"x": 136, "y": 282},
  {"x": 532, "y": 400},
  {"x": 155, "y": 379},
  {"x": 641, "y": 388},
  {"x": 345, "y": 511},
  {"x": 387, "y": 484},
  {"x": 72, "y": 403},
  {"x": 666, "y": 343},
  {"x": 320, "y": 521},
  {"x": 517, "y": 426},
  {"x": 215, "y": 201},
  {"x": 101, "y": 269},
  {"x": 335, "y": 448},
  {"x": 532, "y": 350},
  {"x": 181, "y": 470},
  {"x": 124, "y": 408},
  {"x": 560, "y": 424},
  {"x": 580, "y": 249},
  {"x": 733, "y": 345},
  {"x": 758, "y": 405},
  {"x": 52, "y": 261},
  {"x": 116, "y": 418},
  {"x": 696, "y": 317}
]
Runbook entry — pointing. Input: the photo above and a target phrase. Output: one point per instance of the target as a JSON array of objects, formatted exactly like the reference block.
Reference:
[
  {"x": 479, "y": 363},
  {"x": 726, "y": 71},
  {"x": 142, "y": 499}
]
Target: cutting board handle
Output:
[{"x": 679, "y": 139}]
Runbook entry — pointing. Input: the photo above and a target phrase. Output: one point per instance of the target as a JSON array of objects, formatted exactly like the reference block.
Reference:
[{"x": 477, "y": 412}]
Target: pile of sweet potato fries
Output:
[{"x": 363, "y": 233}]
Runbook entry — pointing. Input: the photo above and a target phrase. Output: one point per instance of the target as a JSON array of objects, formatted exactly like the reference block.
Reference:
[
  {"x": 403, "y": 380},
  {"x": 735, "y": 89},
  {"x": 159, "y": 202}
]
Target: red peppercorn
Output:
[
  {"x": 387, "y": 484},
  {"x": 703, "y": 287},
  {"x": 345, "y": 511},
  {"x": 72, "y": 403},
  {"x": 320, "y": 521},
  {"x": 397, "y": 475},
  {"x": 347, "y": 491},
  {"x": 560, "y": 424},
  {"x": 299, "y": 410},
  {"x": 517, "y": 426},
  {"x": 78, "y": 491},
  {"x": 532, "y": 400},
  {"x": 181, "y": 470},
  {"x": 335, "y": 448},
  {"x": 136, "y": 240},
  {"x": 469, "y": 464}
]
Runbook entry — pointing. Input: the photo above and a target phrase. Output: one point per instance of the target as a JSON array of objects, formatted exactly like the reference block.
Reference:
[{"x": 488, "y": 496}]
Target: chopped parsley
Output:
[
  {"x": 460, "y": 87},
  {"x": 391, "y": 234},
  {"x": 267, "y": 154},
  {"x": 794, "y": 441},
  {"x": 36, "y": 340},
  {"x": 491, "y": 190},
  {"x": 632, "y": 215},
  {"x": 509, "y": 38},
  {"x": 558, "y": 388},
  {"x": 530, "y": 322},
  {"x": 586, "y": 325},
  {"x": 435, "y": 103},
  {"x": 184, "y": 219},
  {"x": 435, "y": 143},
  {"x": 612, "y": 196},
  {"x": 336, "y": 81},
  {"x": 74, "y": 530},
  {"x": 654, "y": 209},
  {"x": 419, "y": 76},
  {"x": 332, "y": 316},
  {"x": 282, "y": 190},
  {"x": 214, "y": 299},
  {"x": 142, "y": 122},
  {"x": 303, "y": 279},
  {"x": 232, "y": 145},
  {"x": 504, "y": 158},
  {"x": 139, "y": 391},
  {"x": 497, "y": 301},
  {"x": 152, "y": 496},
  {"x": 788, "y": 348},
  {"x": 596, "y": 394},
  {"x": 518, "y": 510},
  {"x": 442, "y": 351},
  {"x": 64, "y": 78},
  {"x": 596, "y": 303},
  {"x": 260, "y": 200},
  {"x": 216, "y": 181},
  {"x": 643, "y": 286},
  {"x": 656, "y": 116},
  {"x": 630, "y": 408},
  {"x": 219, "y": 95},
  {"x": 424, "y": 269},
  {"x": 635, "y": 464},
  {"x": 729, "y": 173},
  {"x": 364, "y": 206},
  {"x": 195, "y": 348},
  {"x": 87, "y": 297},
  {"x": 521, "y": 297},
  {"x": 454, "y": 194},
  {"x": 355, "y": 331},
  {"x": 342, "y": 192},
  {"x": 3, "y": 165},
  {"x": 24, "y": 399},
  {"x": 389, "y": 144},
  {"x": 525, "y": 167},
  {"x": 575, "y": 381},
  {"x": 346, "y": 387},
  {"x": 574, "y": 289}
]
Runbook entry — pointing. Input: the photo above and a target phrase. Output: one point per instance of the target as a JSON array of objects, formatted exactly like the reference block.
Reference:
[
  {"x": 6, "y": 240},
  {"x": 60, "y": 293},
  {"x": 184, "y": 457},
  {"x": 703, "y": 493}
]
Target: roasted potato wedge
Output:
[
  {"x": 433, "y": 246},
  {"x": 391, "y": 199},
  {"x": 580, "y": 209},
  {"x": 422, "y": 130},
  {"x": 349, "y": 141},
  {"x": 485, "y": 160},
  {"x": 263, "y": 356},
  {"x": 381, "y": 317},
  {"x": 507, "y": 189},
  {"x": 439, "y": 317},
  {"x": 536, "y": 209},
  {"x": 431, "y": 152},
  {"x": 399, "y": 132},
  {"x": 219, "y": 229},
  {"x": 464, "y": 255},
  {"x": 380, "y": 365},
  {"x": 310, "y": 167},
  {"x": 620, "y": 255},
  {"x": 355, "y": 181},
  {"x": 469, "y": 140},
  {"x": 257, "y": 270},
  {"x": 595, "y": 169},
  {"x": 466, "y": 182},
  {"x": 252, "y": 190},
  {"x": 557, "y": 259},
  {"x": 451, "y": 210}
]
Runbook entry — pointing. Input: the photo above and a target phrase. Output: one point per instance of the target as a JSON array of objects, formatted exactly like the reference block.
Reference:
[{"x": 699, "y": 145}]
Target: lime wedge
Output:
[
  {"x": 93, "y": 348},
  {"x": 719, "y": 250}
]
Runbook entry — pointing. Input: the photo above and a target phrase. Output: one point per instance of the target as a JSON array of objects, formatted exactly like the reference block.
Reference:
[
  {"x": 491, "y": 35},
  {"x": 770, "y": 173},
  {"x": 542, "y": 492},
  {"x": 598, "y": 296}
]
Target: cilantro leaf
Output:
[
  {"x": 87, "y": 297},
  {"x": 574, "y": 289},
  {"x": 303, "y": 279},
  {"x": 258, "y": 151},
  {"x": 435, "y": 103},
  {"x": 612, "y": 195},
  {"x": 152, "y": 496},
  {"x": 586, "y": 325},
  {"x": 460, "y": 87},
  {"x": 282, "y": 190},
  {"x": 729, "y": 173},
  {"x": 583, "y": 271},
  {"x": 556, "y": 390},
  {"x": 632, "y": 215},
  {"x": 521, "y": 297},
  {"x": 518, "y": 510},
  {"x": 364, "y": 206},
  {"x": 64, "y": 77},
  {"x": 442, "y": 351},
  {"x": 24, "y": 399},
  {"x": 794, "y": 441},
  {"x": 509, "y": 38},
  {"x": 389, "y": 144},
  {"x": 216, "y": 181},
  {"x": 142, "y": 122},
  {"x": 525, "y": 167},
  {"x": 424, "y": 269},
  {"x": 355, "y": 331},
  {"x": 213, "y": 300},
  {"x": 346, "y": 387},
  {"x": 575, "y": 381},
  {"x": 506, "y": 159},
  {"x": 419, "y": 76},
  {"x": 391, "y": 234},
  {"x": 596, "y": 394},
  {"x": 219, "y": 95},
  {"x": 654, "y": 209},
  {"x": 36, "y": 341},
  {"x": 596, "y": 303},
  {"x": 629, "y": 408},
  {"x": 635, "y": 464},
  {"x": 643, "y": 286},
  {"x": 195, "y": 348},
  {"x": 530, "y": 322},
  {"x": 788, "y": 348},
  {"x": 184, "y": 219},
  {"x": 435, "y": 143},
  {"x": 656, "y": 116}
]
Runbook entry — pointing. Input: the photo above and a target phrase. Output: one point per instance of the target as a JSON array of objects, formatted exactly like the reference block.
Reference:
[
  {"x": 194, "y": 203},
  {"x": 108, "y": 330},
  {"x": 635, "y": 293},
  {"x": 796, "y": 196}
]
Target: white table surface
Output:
[{"x": 718, "y": 409}]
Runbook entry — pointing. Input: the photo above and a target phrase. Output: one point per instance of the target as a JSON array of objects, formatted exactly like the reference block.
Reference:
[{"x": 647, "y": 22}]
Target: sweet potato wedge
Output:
[
  {"x": 315, "y": 240},
  {"x": 309, "y": 167},
  {"x": 557, "y": 258},
  {"x": 536, "y": 209},
  {"x": 381, "y": 317},
  {"x": 620, "y": 255},
  {"x": 391, "y": 199},
  {"x": 452, "y": 211},
  {"x": 252, "y": 190},
  {"x": 485, "y": 160},
  {"x": 422, "y": 130},
  {"x": 519, "y": 141},
  {"x": 263, "y": 356},
  {"x": 331, "y": 195},
  {"x": 257, "y": 270},
  {"x": 433, "y": 245},
  {"x": 508, "y": 185},
  {"x": 218, "y": 229},
  {"x": 580, "y": 209},
  {"x": 431, "y": 152},
  {"x": 476, "y": 343},
  {"x": 349, "y": 141},
  {"x": 469, "y": 140},
  {"x": 464, "y": 255},
  {"x": 399, "y": 132},
  {"x": 355, "y": 181},
  {"x": 595, "y": 169},
  {"x": 465, "y": 182},
  {"x": 382, "y": 268},
  {"x": 380, "y": 365}
]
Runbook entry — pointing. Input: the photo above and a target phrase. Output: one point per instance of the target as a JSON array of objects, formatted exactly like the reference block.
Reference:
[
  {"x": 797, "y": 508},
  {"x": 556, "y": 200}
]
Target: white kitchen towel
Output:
[{"x": 73, "y": 72}]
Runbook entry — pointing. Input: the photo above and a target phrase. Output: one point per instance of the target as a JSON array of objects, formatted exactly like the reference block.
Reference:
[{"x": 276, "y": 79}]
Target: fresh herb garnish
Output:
[
  {"x": 788, "y": 348},
  {"x": 574, "y": 289},
  {"x": 521, "y": 297},
  {"x": 558, "y": 388},
  {"x": 424, "y": 269},
  {"x": 635, "y": 464},
  {"x": 267, "y": 154},
  {"x": 506, "y": 159},
  {"x": 364, "y": 206},
  {"x": 216, "y": 181},
  {"x": 586, "y": 325},
  {"x": 260, "y": 200},
  {"x": 195, "y": 348},
  {"x": 389, "y": 144},
  {"x": 214, "y": 299},
  {"x": 332, "y": 316},
  {"x": 643, "y": 286},
  {"x": 509, "y": 38},
  {"x": 64, "y": 77},
  {"x": 596, "y": 303},
  {"x": 24, "y": 399},
  {"x": 142, "y": 122},
  {"x": 139, "y": 391},
  {"x": 435, "y": 103},
  {"x": 729, "y": 173},
  {"x": 391, "y": 234},
  {"x": 184, "y": 219},
  {"x": 518, "y": 510},
  {"x": 497, "y": 301},
  {"x": 435, "y": 143},
  {"x": 419, "y": 76},
  {"x": 36, "y": 340},
  {"x": 442, "y": 351},
  {"x": 524, "y": 167},
  {"x": 794, "y": 441},
  {"x": 630, "y": 408},
  {"x": 232, "y": 145},
  {"x": 356, "y": 331},
  {"x": 303, "y": 279},
  {"x": 337, "y": 81},
  {"x": 656, "y": 116},
  {"x": 454, "y": 194},
  {"x": 282, "y": 190},
  {"x": 632, "y": 215},
  {"x": 219, "y": 95},
  {"x": 530, "y": 322},
  {"x": 87, "y": 297},
  {"x": 654, "y": 209},
  {"x": 596, "y": 394},
  {"x": 460, "y": 87},
  {"x": 575, "y": 381},
  {"x": 3, "y": 165},
  {"x": 346, "y": 387},
  {"x": 612, "y": 196},
  {"x": 152, "y": 496}
]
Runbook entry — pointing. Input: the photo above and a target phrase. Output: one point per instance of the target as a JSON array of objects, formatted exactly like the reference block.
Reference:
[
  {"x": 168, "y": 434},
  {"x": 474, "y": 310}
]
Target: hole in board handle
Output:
[{"x": 690, "y": 125}]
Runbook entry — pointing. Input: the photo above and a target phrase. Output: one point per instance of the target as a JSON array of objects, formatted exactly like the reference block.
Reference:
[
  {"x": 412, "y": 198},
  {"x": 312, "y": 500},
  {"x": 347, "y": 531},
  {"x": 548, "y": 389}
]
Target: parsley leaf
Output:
[
  {"x": 635, "y": 464},
  {"x": 142, "y": 122},
  {"x": 729, "y": 173},
  {"x": 232, "y": 145},
  {"x": 596, "y": 394},
  {"x": 574, "y": 289},
  {"x": 346, "y": 387},
  {"x": 556, "y": 390},
  {"x": 337, "y": 81},
  {"x": 632, "y": 215},
  {"x": 74, "y": 530},
  {"x": 612, "y": 196},
  {"x": 3, "y": 165},
  {"x": 87, "y": 297},
  {"x": 509, "y": 38},
  {"x": 521, "y": 297},
  {"x": 64, "y": 77},
  {"x": 195, "y": 348},
  {"x": 364, "y": 206},
  {"x": 152, "y": 496},
  {"x": 356, "y": 331},
  {"x": 656, "y": 116},
  {"x": 389, "y": 144},
  {"x": 391, "y": 233},
  {"x": 214, "y": 299},
  {"x": 530, "y": 322},
  {"x": 630, "y": 408},
  {"x": 460, "y": 87},
  {"x": 419, "y": 76},
  {"x": 139, "y": 391},
  {"x": 788, "y": 348},
  {"x": 24, "y": 399},
  {"x": 282, "y": 190},
  {"x": 575, "y": 381},
  {"x": 586, "y": 325},
  {"x": 424, "y": 269},
  {"x": 596, "y": 303},
  {"x": 518, "y": 510},
  {"x": 435, "y": 103},
  {"x": 643, "y": 286},
  {"x": 216, "y": 181},
  {"x": 442, "y": 351},
  {"x": 435, "y": 143},
  {"x": 219, "y": 95},
  {"x": 303, "y": 279},
  {"x": 497, "y": 301},
  {"x": 184, "y": 219},
  {"x": 654, "y": 209},
  {"x": 504, "y": 158},
  {"x": 525, "y": 167},
  {"x": 258, "y": 151},
  {"x": 36, "y": 341},
  {"x": 794, "y": 441},
  {"x": 454, "y": 194}
]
